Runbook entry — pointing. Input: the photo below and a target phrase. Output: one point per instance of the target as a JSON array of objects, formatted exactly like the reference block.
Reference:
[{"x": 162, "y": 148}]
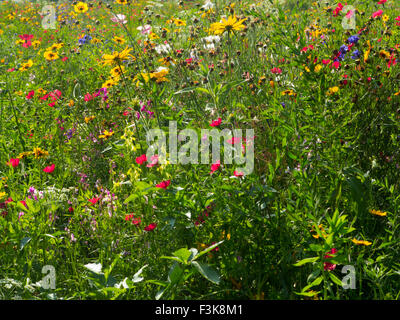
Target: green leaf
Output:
[
  {"x": 24, "y": 242},
  {"x": 307, "y": 294},
  {"x": 171, "y": 258},
  {"x": 136, "y": 276},
  {"x": 207, "y": 271},
  {"x": 175, "y": 273},
  {"x": 304, "y": 261},
  {"x": 335, "y": 279},
  {"x": 183, "y": 254}
]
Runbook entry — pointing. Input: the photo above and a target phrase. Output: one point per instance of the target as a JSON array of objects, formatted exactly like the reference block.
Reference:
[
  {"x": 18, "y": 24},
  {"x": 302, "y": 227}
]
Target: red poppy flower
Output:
[
  {"x": 163, "y": 184},
  {"x": 382, "y": 1},
  {"x": 150, "y": 227},
  {"x": 140, "y": 160},
  {"x": 136, "y": 221},
  {"x": 49, "y": 169}
]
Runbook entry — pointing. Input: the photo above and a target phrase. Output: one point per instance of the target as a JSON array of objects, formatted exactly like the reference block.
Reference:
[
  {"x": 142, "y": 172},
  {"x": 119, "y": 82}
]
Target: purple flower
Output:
[{"x": 353, "y": 39}]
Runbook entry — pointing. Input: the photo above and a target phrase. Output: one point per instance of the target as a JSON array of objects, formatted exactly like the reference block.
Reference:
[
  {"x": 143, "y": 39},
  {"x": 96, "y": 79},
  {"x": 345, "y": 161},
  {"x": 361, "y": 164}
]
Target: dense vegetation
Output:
[{"x": 319, "y": 83}]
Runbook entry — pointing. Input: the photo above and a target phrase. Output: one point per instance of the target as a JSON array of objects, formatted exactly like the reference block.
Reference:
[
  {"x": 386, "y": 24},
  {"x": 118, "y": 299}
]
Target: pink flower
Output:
[
  {"x": 276, "y": 70},
  {"x": 119, "y": 18},
  {"x": 30, "y": 94},
  {"x": 94, "y": 200},
  {"x": 49, "y": 169},
  {"x": 327, "y": 265},
  {"x": 382, "y": 1},
  {"x": 88, "y": 97},
  {"x": 153, "y": 161},
  {"x": 13, "y": 162},
  {"x": 350, "y": 14},
  {"x": 215, "y": 166},
  {"x": 234, "y": 140},
  {"x": 141, "y": 159},
  {"x": 27, "y": 38},
  {"x": 238, "y": 174},
  {"x": 377, "y": 14},
  {"x": 216, "y": 123},
  {"x": 163, "y": 184},
  {"x": 336, "y": 64},
  {"x": 150, "y": 227}
]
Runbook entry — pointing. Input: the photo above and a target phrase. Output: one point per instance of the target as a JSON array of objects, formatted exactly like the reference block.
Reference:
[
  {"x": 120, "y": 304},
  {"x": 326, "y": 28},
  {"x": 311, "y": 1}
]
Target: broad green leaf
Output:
[
  {"x": 24, "y": 242},
  {"x": 304, "y": 261},
  {"x": 207, "y": 271},
  {"x": 335, "y": 279},
  {"x": 183, "y": 254}
]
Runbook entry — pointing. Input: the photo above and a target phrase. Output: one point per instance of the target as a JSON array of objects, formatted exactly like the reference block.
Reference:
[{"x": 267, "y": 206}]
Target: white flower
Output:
[
  {"x": 146, "y": 29},
  {"x": 159, "y": 69},
  {"x": 163, "y": 48},
  {"x": 120, "y": 18},
  {"x": 210, "y": 42},
  {"x": 208, "y": 5}
]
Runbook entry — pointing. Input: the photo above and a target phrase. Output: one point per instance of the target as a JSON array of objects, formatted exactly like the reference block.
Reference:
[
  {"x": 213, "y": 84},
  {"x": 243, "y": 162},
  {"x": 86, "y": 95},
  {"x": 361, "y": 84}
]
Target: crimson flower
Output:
[
  {"x": 163, "y": 184},
  {"x": 30, "y": 94},
  {"x": 94, "y": 200},
  {"x": 276, "y": 70},
  {"x": 140, "y": 160},
  {"x": 215, "y": 166},
  {"x": 216, "y": 123},
  {"x": 13, "y": 162},
  {"x": 27, "y": 38},
  {"x": 377, "y": 14},
  {"x": 327, "y": 265},
  {"x": 88, "y": 97},
  {"x": 49, "y": 169},
  {"x": 382, "y": 1},
  {"x": 238, "y": 174},
  {"x": 150, "y": 227}
]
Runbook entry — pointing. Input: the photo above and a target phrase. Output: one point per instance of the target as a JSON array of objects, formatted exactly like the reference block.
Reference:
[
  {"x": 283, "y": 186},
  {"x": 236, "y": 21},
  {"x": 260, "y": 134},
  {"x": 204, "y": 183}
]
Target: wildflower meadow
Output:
[{"x": 200, "y": 150}]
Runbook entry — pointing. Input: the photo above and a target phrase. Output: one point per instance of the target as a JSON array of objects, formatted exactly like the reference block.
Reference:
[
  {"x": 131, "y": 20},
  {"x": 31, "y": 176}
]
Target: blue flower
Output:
[
  {"x": 343, "y": 49},
  {"x": 353, "y": 39},
  {"x": 85, "y": 39},
  {"x": 356, "y": 54}
]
